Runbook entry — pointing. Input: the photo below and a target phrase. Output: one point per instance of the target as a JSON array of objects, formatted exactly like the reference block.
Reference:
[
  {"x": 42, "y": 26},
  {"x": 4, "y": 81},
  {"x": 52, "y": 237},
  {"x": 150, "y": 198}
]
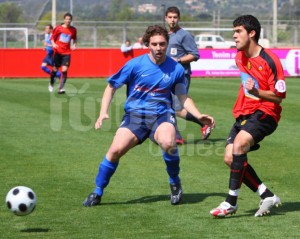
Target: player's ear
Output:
[{"x": 252, "y": 34}]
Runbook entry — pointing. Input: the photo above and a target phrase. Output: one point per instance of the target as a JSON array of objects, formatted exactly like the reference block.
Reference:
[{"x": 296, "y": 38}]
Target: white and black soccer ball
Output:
[{"x": 21, "y": 200}]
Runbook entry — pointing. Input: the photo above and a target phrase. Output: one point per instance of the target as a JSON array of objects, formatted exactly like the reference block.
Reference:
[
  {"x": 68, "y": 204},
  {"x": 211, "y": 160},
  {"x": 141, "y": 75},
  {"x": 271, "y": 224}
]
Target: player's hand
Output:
[
  {"x": 54, "y": 45},
  {"x": 208, "y": 120},
  {"x": 250, "y": 86},
  {"x": 99, "y": 121}
]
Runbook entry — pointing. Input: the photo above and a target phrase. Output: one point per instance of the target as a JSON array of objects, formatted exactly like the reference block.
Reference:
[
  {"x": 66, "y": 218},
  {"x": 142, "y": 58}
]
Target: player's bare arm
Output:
[
  {"x": 190, "y": 106},
  {"x": 187, "y": 59},
  {"x": 106, "y": 100},
  {"x": 54, "y": 45},
  {"x": 74, "y": 45}
]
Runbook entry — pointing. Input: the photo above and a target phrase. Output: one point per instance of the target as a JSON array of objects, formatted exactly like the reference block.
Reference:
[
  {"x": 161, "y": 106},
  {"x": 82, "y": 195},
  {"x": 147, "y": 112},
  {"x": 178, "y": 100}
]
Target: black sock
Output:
[
  {"x": 267, "y": 194},
  {"x": 237, "y": 171},
  {"x": 52, "y": 77},
  {"x": 251, "y": 180},
  {"x": 190, "y": 117},
  {"x": 231, "y": 200},
  {"x": 63, "y": 79}
]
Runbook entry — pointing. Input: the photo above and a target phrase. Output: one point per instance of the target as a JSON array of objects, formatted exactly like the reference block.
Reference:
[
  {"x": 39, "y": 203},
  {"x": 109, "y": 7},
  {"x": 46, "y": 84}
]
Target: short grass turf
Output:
[{"x": 48, "y": 143}]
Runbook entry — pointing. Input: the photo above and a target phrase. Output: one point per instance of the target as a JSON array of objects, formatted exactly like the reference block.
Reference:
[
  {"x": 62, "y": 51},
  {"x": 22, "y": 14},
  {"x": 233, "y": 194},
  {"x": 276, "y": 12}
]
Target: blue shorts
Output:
[
  {"x": 48, "y": 60},
  {"x": 258, "y": 124},
  {"x": 144, "y": 126}
]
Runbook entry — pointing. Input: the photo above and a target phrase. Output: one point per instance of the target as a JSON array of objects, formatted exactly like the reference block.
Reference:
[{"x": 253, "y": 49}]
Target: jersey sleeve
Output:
[
  {"x": 54, "y": 34},
  {"x": 190, "y": 46},
  {"x": 74, "y": 34},
  {"x": 180, "y": 88},
  {"x": 121, "y": 77},
  {"x": 276, "y": 78}
]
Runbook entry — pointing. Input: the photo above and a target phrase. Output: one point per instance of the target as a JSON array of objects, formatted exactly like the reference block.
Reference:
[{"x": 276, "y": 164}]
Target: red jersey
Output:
[
  {"x": 62, "y": 36},
  {"x": 267, "y": 73}
]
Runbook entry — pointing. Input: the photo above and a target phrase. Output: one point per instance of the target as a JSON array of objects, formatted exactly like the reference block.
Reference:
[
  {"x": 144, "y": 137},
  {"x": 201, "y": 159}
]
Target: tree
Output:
[
  {"x": 115, "y": 9},
  {"x": 10, "y": 13}
]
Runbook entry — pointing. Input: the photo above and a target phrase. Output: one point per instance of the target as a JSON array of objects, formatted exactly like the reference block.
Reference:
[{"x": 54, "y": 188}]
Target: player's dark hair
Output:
[
  {"x": 50, "y": 26},
  {"x": 173, "y": 10},
  {"x": 153, "y": 31},
  {"x": 68, "y": 15},
  {"x": 250, "y": 23}
]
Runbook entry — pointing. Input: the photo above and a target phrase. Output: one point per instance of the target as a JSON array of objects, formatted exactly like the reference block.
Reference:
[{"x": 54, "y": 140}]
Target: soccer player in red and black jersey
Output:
[
  {"x": 257, "y": 113},
  {"x": 61, "y": 39}
]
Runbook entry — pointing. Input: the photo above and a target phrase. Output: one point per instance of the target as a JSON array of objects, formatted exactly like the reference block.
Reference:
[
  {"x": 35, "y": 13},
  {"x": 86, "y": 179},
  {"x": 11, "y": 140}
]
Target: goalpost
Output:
[{"x": 7, "y": 29}]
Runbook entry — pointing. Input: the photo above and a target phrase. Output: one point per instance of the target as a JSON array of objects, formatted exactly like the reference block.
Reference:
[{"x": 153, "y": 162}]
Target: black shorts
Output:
[
  {"x": 48, "y": 59},
  {"x": 258, "y": 124},
  {"x": 143, "y": 126},
  {"x": 61, "y": 60}
]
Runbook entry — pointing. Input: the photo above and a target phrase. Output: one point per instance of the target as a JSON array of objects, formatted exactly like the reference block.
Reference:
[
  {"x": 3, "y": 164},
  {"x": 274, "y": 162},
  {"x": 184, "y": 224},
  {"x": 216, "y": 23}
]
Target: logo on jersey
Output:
[
  {"x": 249, "y": 65},
  {"x": 66, "y": 38},
  {"x": 173, "y": 51},
  {"x": 280, "y": 86},
  {"x": 123, "y": 122},
  {"x": 166, "y": 77},
  {"x": 172, "y": 119},
  {"x": 260, "y": 68},
  {"x": 243, "y": 122}
]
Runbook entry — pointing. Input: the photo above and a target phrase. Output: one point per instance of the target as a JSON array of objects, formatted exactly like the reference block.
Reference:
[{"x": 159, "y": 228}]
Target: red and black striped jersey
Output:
[
  {"x": 267, "y": 72},
  {"x": 62, "y": 36}
]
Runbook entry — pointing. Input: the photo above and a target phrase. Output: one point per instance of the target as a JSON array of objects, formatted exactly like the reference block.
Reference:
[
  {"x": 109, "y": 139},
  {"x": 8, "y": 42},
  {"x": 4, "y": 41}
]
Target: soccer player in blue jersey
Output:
[
  {"x": 183, "y": 49},
  {"x": 48, "y": 60},
  {"x": 150, "y": 79}
]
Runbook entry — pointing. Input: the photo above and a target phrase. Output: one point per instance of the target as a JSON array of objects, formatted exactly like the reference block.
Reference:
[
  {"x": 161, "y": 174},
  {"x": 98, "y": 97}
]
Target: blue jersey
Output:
[
  {"x": 149, "y": 86},
  {"x": 48, "y": 47},
  {"x": 182, "y": 43}
]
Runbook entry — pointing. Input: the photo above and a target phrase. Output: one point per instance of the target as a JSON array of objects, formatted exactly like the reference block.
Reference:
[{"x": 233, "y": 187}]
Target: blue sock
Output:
[
  {"x": 106, "y": 170},
  {"x": 46, "y": 69},
  {"x": 172, "y": 162}
]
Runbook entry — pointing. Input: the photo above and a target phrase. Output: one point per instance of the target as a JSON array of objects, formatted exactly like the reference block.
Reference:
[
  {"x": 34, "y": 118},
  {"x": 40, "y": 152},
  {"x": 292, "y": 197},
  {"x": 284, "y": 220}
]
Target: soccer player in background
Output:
[
  {"x": 183, "y": 49},
  {"x": 61, "y": 38},
  {"x": 150, "y": 80},
  {"x": 257, "y": 112},
  {"x": 48, "y": 60}
]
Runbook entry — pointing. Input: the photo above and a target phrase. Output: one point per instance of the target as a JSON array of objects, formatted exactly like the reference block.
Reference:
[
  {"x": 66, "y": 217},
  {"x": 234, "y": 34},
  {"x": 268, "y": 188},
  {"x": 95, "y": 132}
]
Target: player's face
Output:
[
  {"x": 48, "y": 30},
  {"x": 67, "y": 20},
  {"x": 172, "y": 20},
  {"x": 241, "y": 37},
  {"x": 158, "y": 47}
]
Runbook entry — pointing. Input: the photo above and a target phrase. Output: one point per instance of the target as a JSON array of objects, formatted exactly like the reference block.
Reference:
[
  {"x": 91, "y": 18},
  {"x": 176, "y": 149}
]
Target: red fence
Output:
[
  {"x": 20, "y": 63},
  {"x": 101, "y": 62}
]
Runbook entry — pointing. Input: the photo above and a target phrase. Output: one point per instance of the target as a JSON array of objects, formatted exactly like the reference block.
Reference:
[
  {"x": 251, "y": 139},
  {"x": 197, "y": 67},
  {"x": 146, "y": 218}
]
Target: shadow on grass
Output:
[
  {"x": 35, "y": 230},
  {"x": 201, "y": 141},
  {"x": 187, "y": 198},
  {"x": 284, "y": 208}
]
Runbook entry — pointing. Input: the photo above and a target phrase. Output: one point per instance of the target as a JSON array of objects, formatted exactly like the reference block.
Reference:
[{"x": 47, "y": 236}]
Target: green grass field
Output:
[{"x": 48, "y": 143}]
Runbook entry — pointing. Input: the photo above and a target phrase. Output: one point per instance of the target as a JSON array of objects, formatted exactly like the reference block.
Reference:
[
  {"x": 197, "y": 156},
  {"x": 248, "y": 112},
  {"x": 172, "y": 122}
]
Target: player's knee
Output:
[
  {"x": 228, "y": 159},
  {"x": 167, "y": 145},
  {"x": 241, "y": 147},
  {"x": 115, "y": 152}
]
